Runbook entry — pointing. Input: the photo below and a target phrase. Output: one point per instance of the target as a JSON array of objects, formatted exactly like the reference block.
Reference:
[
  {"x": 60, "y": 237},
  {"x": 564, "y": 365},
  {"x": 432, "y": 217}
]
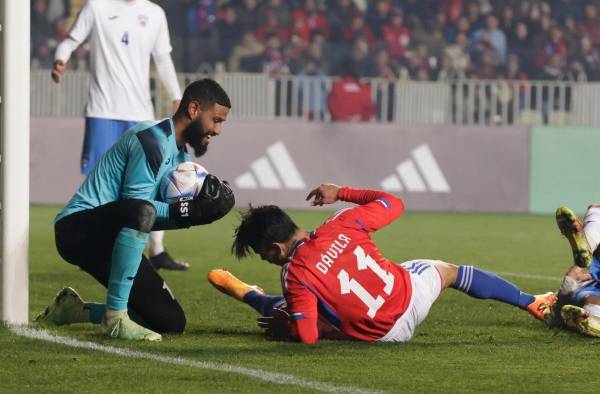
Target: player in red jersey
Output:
[{"x": 338, "y": 272}]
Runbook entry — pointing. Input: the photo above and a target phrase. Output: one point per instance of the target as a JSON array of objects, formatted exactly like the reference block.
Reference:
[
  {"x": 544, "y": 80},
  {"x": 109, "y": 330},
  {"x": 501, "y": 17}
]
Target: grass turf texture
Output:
[{"x": 465, "y": 345}]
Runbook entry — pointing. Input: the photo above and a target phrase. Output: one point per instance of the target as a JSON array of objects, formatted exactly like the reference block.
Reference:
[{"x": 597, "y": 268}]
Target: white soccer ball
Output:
[{"x": 182, "y": 181}]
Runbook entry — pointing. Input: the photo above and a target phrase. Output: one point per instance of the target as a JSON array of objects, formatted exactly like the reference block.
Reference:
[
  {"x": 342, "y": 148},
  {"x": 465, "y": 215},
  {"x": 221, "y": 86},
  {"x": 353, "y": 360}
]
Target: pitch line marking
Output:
[
  {"x": 271, "y": 377},
  {"x": 531, "y": 276}
]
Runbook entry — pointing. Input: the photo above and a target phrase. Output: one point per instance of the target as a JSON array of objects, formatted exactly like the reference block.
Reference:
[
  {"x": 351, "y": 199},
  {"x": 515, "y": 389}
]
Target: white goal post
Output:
[{"x": 14, "y": 160}]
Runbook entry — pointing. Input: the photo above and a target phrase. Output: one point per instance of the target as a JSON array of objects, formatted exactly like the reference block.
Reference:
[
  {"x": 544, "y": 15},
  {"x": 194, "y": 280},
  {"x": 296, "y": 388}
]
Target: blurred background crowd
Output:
[{"x": 391, "y": 39}]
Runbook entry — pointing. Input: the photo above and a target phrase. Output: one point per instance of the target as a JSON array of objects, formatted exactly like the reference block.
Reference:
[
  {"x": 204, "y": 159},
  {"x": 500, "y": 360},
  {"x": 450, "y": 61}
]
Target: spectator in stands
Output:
[
  {"x": 274, "y": 61},
  {"x": 42, "y": 35},
  {"x": 249, "y": 15},
  {"x": 378, "y": 14},
  {"x": 247, "y": 56},
  {"x": 202, "y": 38},
  {"x": 294, "y": 53},
  {"x": 521, "y": 44},
  {"x": 491, "y": 38},
  {"x": 350, "y": 100},
  {"x": 396, "y": 36},
  {"x": 278, "y": 7},
  {"x": 311, "y": 81},
  {"x": 474, "y": 16},
  {"x": 457, "y": 60},
  {"x": 313, "y": 17},
  {"x": 590, "y": 24},
  {"x": 229, "y": 31},
  {"x": 386, "y": 69},
  {"x": 555, "y": 45},
  {"x": 359, "y": 28},
  {"x": 58, "y": 10},
  {"x": 339, "y": 17},
  {"x": 362, "y": 59},
  {"x": 272, "y": 27},
  {"x": 590, "y": 58}
]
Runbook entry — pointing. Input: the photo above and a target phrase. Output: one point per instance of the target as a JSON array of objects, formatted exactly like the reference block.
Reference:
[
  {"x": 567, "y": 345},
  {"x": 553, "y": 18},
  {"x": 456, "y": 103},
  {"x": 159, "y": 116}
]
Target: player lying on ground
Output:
[
  {"x": 578, "y": 305},
  {"x": 338, "y": 271},
  {"x": 104, "y": 228}
]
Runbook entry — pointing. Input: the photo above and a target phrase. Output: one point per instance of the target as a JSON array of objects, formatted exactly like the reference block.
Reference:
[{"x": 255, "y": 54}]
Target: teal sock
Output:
[
  {"x": 126, "y": 257},
  {"x": 96, "y": 311}
]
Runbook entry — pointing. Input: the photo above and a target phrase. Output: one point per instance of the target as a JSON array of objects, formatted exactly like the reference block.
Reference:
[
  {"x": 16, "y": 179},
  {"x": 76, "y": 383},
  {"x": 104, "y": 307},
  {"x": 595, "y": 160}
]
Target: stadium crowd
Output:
[{"x": 410, "y": 39}]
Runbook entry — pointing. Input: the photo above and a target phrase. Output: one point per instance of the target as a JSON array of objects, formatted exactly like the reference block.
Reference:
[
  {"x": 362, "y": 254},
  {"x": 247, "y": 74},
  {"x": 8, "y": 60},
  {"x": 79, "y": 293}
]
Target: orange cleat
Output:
[
  {"x": 227, "y": 283},
  {"x": 542, "y": 305}
]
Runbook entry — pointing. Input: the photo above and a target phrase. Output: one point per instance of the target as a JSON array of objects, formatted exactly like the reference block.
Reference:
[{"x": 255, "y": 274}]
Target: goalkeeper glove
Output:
[{"x": 213, "y": 202}]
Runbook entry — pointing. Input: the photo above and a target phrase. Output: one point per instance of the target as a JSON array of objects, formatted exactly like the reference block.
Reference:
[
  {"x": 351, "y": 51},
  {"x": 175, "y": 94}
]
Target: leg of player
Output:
[
  {"x": 573, "y": 229},
  {"x": 227, "y": 283},
  {"x": 159, "y": 257},
  {"x": 481, "y": 284},
  {"x": 584, "y": 320}
]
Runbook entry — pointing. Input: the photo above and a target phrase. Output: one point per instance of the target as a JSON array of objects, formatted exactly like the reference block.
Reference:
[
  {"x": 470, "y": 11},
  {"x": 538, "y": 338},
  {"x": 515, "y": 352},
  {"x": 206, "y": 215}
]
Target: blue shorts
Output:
[{"x": 100, "y": 135}]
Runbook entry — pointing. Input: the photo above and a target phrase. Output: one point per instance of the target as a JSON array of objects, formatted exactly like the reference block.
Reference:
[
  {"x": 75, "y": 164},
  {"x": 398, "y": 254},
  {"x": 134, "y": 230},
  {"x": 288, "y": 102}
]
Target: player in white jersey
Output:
[{"x": 123, "y": 35}]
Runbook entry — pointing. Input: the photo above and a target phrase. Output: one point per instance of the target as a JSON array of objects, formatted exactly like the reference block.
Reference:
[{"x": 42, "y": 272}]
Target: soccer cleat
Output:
[
  {"x": 571, "y": 227},
  {"x": 165, "y": 261},
  {"x": 542, "y": 305},
  {"x": 579, "y": 320},
  {"x": 227, "y": 283},
  {"x": 122, "y": 327},
  {"x": 65, "y": 309}
]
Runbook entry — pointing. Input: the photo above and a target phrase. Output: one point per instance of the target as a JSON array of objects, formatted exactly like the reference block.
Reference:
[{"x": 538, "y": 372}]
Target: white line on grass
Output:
[
  {"x": 531, "y": 276},
  {"x": 271, "y": 377}
]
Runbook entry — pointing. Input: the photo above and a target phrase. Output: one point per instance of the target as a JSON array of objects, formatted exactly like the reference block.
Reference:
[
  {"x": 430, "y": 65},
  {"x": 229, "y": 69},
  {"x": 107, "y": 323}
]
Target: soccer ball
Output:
[{"x": 182, "y": 181}]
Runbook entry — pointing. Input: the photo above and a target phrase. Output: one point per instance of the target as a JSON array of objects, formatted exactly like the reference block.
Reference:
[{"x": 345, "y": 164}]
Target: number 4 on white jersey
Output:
[{"x": 347, "y": 285}]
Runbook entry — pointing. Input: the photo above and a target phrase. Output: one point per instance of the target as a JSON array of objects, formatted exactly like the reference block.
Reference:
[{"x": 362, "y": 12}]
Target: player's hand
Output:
[
  {"x": 176, "y": 105},
  {"x": 276, "y": 327},
  {"x": 327, "y": 193},
  {"x": 58, "y": 69},
  {"x": 213, "y": 202}
]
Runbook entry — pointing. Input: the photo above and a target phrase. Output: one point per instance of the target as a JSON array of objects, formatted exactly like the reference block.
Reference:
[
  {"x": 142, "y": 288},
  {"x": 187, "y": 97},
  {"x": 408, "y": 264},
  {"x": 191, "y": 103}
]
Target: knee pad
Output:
[{"x": 141, "y": 215}]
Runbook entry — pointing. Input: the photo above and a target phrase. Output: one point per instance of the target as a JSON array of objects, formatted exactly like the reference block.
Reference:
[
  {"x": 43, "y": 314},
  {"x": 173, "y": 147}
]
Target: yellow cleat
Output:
[
  {"x": 122, "y": 327},
  {"x": 541, "y": 307},
  {"x": 579, "y": 320},
  {"x": 227, "y": 283},
  {"x": 65, "y": 309},
  {"x": 571, "y": 227}
]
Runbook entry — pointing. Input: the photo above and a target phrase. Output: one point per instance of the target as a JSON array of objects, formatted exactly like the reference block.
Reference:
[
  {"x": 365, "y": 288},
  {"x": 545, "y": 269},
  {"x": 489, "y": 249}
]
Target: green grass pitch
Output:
[{"x": 465, "y": 345}]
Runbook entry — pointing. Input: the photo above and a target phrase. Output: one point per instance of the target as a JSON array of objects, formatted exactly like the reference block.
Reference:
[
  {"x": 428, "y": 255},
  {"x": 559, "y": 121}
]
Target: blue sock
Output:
[
  {"x": 96, "y": 311},
  {"x": 126, "y": 258},
  {"x": 485, "y": 285},
  {"x": 263, "y": 304}
]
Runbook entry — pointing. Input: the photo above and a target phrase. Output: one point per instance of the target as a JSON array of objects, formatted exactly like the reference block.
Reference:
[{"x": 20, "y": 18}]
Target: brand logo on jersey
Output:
[
  {"x": 275, "y": 170},
  {"x": 112, "y": 18},
  {"x": 168, "y": 161},
  {"x": 143, "y": 19},
  {"x": 419, "y": 174}
]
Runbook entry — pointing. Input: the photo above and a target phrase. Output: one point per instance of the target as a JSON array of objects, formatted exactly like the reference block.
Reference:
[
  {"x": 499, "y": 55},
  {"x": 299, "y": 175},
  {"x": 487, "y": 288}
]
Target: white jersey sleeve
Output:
[
  {"x": 162, "y": 44},
  {"x": 77, "y": 34}
]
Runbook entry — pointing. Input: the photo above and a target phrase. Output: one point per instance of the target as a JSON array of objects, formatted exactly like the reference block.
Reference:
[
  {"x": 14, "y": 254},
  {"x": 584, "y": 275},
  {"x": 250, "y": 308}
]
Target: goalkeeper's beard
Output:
[{"x": 194, "y": 135}]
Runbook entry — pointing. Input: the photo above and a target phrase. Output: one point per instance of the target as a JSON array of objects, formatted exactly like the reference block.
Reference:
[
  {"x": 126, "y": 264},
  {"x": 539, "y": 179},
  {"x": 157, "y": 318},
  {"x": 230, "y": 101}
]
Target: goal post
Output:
[{"x": 14, "y": 160}]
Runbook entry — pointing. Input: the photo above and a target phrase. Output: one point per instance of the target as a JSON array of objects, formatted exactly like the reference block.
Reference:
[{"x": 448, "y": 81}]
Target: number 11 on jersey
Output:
[{"x": 347, "y": 285}]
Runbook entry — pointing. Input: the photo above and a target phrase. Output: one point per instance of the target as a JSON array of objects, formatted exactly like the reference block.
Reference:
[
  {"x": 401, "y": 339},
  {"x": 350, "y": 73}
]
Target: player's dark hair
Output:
[
  {"x": 207, "y": 92},
  {"x": 259, "y": 228}
]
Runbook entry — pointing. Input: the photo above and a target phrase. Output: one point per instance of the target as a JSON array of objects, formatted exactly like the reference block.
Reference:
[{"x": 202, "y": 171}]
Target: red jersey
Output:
[{"x": 340, "y": 273}]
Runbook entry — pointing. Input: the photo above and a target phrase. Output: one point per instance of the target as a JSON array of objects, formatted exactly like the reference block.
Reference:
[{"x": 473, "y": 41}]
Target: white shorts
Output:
[
  {"x": 426, "y": 284},
  {"x": 591, "y": 227}
]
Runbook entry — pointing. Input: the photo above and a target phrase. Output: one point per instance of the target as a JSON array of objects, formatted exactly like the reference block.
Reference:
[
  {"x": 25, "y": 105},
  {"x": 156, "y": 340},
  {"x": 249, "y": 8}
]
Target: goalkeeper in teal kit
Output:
[{"x": 105, "y": 227}]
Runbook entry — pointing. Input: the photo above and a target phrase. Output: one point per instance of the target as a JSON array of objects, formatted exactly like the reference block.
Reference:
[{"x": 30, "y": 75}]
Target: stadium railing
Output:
[{"x": 459, "y": 102}]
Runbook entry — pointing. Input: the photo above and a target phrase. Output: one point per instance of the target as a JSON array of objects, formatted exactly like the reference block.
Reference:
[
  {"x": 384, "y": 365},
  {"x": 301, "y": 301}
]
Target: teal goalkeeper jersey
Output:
[{"x": 132, "y": 168}]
